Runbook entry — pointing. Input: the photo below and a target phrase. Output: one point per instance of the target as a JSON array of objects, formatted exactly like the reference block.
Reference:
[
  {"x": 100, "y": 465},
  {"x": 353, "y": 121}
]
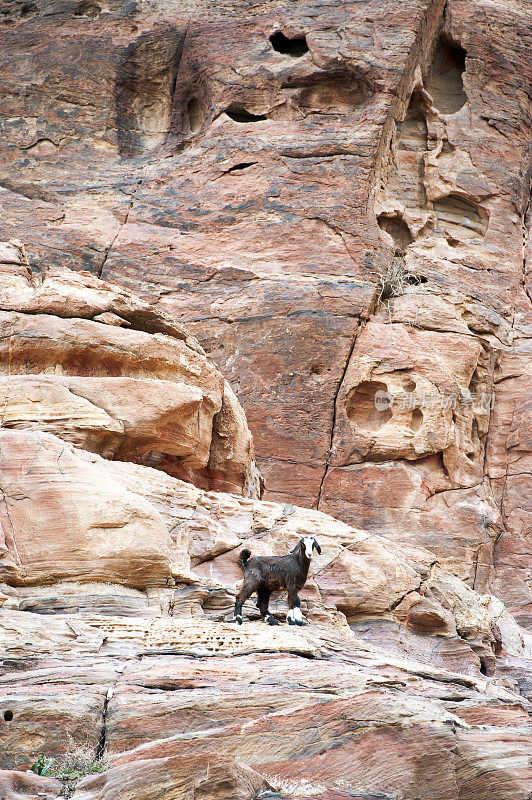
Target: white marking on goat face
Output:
[{"x": 308, "y": 544}]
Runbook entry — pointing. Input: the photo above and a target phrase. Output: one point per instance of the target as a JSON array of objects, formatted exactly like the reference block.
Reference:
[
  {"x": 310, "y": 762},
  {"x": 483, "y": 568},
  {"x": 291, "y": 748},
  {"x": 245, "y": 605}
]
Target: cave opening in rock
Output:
[
  {"x": 241, "y": 166},
  {"x": 295, "y": 47},
  {"x": 444, "y": 81},
  {"x": 8, "y": 715},
  {"x": 240, "y": 114},
  {"x": 415, "y": 280}
]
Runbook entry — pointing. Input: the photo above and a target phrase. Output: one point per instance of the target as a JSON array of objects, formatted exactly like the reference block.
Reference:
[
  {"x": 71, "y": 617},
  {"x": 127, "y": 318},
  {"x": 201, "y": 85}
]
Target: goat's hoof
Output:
[
  {"x": 238, "y": 620},
  {"x": 271, "y": 620}
]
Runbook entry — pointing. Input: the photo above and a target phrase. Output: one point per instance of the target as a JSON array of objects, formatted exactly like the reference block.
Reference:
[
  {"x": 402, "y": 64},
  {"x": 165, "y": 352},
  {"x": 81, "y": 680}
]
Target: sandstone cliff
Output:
[
  {"x": 118, "y": 582},
  {"x": 330, "y": 203},
  {"x": 250, "y": 169}
]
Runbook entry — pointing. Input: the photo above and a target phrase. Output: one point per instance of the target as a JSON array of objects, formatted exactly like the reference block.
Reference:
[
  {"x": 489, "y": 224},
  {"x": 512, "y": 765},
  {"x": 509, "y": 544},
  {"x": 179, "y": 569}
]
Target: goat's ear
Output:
[{"x": 316, "y": 545}]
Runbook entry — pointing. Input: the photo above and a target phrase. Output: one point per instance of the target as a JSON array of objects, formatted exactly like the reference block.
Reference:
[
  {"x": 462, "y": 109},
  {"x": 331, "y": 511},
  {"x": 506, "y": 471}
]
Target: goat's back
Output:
[{"x": 275, "y": 572}]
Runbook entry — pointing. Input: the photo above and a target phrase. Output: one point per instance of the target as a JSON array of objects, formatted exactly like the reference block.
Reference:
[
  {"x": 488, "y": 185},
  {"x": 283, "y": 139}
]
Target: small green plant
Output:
[
  {"x": 70, "y": 766},
  {"x": 41, "y": 766}
]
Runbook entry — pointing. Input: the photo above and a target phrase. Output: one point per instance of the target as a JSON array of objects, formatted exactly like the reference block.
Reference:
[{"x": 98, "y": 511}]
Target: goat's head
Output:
[{"x": 308, "y": 544}]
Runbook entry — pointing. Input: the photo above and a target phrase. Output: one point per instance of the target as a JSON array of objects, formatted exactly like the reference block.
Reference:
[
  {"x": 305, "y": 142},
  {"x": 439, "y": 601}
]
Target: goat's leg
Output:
[
  {"x": 245, "y": 592},
  {"x": 263, "y": 599},
  {"x": 294, "y": 616}
]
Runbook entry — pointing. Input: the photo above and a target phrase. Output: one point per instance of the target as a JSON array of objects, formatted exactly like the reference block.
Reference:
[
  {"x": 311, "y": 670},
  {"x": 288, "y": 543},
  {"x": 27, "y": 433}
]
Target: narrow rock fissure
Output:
[
  {"x": 527, "y": 227},
  {"x": 102, "y": 742},
  {"x": 124, "y": 223},
  {"x": 333, "y": 424}
]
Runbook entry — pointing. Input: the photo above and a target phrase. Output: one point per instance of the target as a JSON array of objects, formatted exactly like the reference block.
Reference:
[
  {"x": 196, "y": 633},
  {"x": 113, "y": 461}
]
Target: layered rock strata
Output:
[
  {"x": 334, "y": 198},
  {"x": 252, "y": 168},
  {"x": 117, "y": 595},
  {"x": 118, "y": 581},
  {"x": 100, "y": 368}
]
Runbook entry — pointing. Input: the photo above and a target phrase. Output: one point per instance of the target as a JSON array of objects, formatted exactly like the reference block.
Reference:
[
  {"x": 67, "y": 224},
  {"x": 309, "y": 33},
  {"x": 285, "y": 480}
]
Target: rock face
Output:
[
  {"x": 118, "y": 581},
  {"x": 334, "y": 199},
  {"x": 116, "y": 617},
  {"x": 251, "y": 169},
  {"x": 101, "y": 369}
]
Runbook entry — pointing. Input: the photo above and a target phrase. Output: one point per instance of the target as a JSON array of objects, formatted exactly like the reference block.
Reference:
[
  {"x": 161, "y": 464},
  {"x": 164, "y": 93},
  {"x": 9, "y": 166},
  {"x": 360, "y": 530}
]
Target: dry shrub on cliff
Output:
[{"x": 395, "y": 279}]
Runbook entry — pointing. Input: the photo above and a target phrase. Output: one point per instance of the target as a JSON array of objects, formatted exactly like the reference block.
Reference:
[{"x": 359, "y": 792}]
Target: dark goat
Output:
[{"x": 267, "y": 574}]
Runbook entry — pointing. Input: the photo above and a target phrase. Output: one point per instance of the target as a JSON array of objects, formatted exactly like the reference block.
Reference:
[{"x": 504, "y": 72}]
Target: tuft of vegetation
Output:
[
  {"x": 395, "y": 279},
  {"x": 69, "y": 767}
]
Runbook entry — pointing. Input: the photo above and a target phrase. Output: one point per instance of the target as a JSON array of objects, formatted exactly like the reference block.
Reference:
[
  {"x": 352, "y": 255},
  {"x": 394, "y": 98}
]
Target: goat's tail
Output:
[{"x": 243, "y": 558}]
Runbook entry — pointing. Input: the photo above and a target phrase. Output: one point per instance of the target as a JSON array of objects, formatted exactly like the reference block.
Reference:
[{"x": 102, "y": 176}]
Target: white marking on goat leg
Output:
[
  {"x": 239, "y": 619},
  {"x": 308, "y": 542},
  {"x": 294, "y": 617}
]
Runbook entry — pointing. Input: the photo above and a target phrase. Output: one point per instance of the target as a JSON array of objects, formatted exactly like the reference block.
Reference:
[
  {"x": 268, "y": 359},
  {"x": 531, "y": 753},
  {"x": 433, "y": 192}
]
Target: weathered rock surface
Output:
[
  {"x": 334, "y": 199},
  {"x": 101, "y": 369},
  {"x": 118, "y": 587},
  {"x": 251, "y": 169}
]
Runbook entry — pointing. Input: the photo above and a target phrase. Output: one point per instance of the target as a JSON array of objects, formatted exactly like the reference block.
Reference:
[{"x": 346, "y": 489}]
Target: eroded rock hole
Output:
[
  {"x": 397, "y": 228},
  {"x": 239, "y": 167},
  {"x": 27, "y": 10},
  {"x": 460, "y": 218},
  {"x": 444, "y": 81},
  {"x": 8, "y": 715},
  {"x": 145, "y": 87},
  {"x": 295, "y": 47},
  {"x": 416, "y": 421},
  {"x": 366, "y": 405},
  {"x": 240, "y": 114},
  {"x": 317, "y": 369},
  {"x": 91, "y": 10},
  {"x": 196, "y": 115},
  {"x": 406, "y": 177}
]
